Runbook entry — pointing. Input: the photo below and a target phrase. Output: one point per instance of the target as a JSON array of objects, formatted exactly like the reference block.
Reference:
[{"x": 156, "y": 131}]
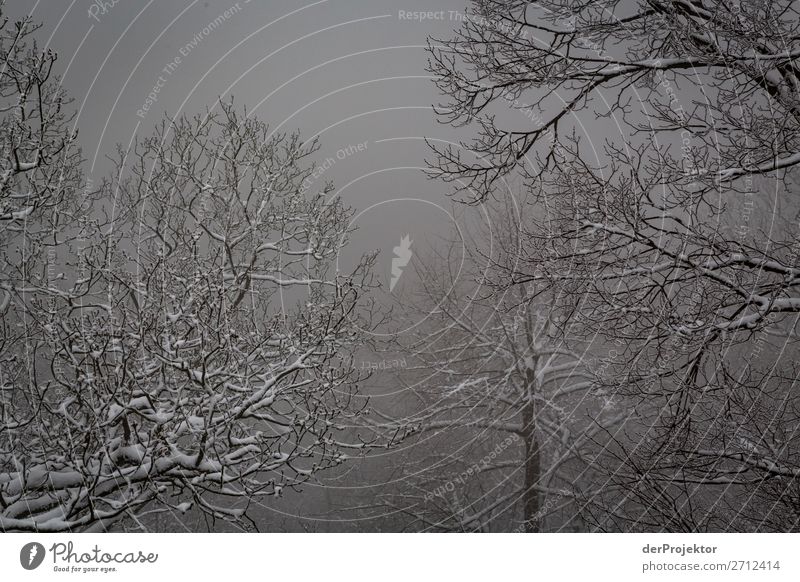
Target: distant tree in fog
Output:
[{"x": 506, "y": 419}]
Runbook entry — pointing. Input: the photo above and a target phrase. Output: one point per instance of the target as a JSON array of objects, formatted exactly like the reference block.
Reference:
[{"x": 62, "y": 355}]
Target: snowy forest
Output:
[{"x": 202, "y": 329}]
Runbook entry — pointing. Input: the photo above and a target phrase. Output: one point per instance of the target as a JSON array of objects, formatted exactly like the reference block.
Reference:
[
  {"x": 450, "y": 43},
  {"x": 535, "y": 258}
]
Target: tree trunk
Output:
[{"x": 530, "y": 495}]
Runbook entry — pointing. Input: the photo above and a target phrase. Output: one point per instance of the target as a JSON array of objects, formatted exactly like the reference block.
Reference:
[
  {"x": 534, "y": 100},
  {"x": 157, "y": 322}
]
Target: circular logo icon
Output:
[{"x": 31, "y": 555}]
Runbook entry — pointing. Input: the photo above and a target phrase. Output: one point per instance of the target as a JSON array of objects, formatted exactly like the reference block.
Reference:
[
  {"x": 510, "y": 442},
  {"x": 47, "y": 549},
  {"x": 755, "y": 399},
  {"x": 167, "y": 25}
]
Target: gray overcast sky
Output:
[{"x": 352, "y": 71}]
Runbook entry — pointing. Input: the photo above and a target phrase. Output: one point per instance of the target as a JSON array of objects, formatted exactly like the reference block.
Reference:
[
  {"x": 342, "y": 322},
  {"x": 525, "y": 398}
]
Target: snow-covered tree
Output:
[
  {"x": 657, "y": 139},
  {"x": 655, "y": 225},
  {"x": 196, "y": 354}
]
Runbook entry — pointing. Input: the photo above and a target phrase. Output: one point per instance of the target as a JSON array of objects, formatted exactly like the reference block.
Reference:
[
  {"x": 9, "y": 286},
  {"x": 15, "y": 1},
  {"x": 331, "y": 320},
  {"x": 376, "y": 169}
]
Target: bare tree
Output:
[
  {"x": 652, "y": 231},
  {"x": 632, "y": 223},
  {"x": 196, "y": 355},
  {"x": 506, "y": 409},
  {"x": 40, "y": 200}
]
